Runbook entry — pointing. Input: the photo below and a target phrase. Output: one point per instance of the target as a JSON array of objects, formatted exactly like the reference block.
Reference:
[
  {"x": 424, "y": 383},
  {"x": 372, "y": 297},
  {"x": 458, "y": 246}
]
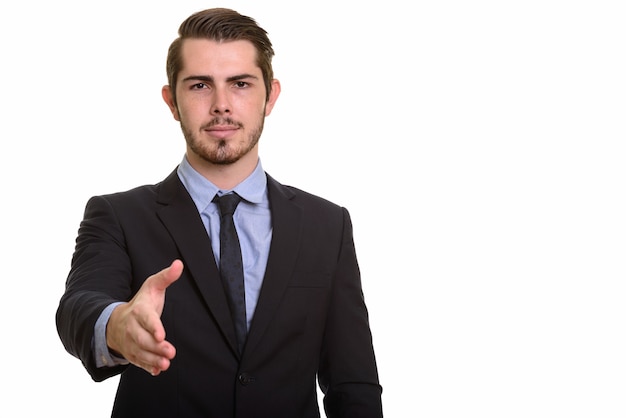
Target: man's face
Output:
[{"x": 220, "y": 101}]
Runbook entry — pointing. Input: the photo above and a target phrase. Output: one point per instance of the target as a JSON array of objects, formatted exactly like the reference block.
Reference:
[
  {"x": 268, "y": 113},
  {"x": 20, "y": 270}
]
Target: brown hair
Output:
[{"x": 220, "y": 24}]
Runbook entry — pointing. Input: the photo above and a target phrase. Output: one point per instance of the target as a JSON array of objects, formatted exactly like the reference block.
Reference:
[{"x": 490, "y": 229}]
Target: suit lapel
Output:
[
  {"x": 286, "y": 224},
  {"x": 180, "y": 216}
]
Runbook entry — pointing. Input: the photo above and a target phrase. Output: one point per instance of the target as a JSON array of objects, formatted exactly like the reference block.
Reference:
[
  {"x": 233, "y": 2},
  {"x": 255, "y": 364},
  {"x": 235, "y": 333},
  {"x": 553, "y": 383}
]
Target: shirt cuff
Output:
[{"x": 103, "y": 356}]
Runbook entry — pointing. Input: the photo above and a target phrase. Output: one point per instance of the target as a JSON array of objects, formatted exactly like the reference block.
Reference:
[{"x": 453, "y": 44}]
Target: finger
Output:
[
  {"x": 149, "y": 354},
  {"x": 151, "y": 322},
  {"x": 158, "y": 345},
  {"x": 154, "y": 364}
]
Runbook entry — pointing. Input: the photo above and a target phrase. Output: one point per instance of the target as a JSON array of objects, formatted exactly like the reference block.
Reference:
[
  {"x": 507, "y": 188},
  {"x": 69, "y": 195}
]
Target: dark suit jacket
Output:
[{"x": 310, "y": 320}]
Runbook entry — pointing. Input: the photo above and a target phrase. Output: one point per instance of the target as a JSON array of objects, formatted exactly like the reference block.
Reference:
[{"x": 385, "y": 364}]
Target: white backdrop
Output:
[{"x": 497, "y": 291}]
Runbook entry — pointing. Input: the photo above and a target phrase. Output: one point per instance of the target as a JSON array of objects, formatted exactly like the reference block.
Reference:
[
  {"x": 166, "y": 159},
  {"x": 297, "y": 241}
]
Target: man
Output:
[{"x": 145, "y": 299}]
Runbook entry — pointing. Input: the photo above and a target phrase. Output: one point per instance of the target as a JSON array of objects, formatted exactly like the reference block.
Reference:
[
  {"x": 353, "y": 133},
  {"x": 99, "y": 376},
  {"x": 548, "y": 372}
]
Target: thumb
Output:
[{"x": 161, "y": 280}]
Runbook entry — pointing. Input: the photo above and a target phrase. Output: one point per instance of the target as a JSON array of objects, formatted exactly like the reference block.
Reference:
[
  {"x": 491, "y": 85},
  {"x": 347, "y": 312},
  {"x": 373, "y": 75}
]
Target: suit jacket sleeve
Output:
[
  {"x": 99, "y": 275},
  {"x": 348, "y": 374}
]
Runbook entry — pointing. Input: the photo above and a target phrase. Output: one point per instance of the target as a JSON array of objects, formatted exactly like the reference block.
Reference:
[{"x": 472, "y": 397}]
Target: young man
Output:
[{"x": 145, "y": 296}]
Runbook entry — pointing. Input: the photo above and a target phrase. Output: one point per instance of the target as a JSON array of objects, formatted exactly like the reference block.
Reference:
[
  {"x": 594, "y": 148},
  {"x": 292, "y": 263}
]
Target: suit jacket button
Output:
[{"x": 245, "y": 379}]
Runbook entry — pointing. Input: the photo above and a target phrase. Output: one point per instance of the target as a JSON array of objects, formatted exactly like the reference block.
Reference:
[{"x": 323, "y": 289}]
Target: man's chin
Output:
[{"x": 221, "y": 158}]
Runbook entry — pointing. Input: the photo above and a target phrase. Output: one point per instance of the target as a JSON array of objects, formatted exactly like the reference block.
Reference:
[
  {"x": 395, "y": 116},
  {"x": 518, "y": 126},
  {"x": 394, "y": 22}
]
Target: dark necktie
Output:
[{"x": 231, "y": 266}]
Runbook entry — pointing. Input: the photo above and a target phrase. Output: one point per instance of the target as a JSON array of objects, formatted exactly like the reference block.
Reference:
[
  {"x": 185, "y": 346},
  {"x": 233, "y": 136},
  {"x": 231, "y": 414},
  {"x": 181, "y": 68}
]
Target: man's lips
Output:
[{"x": 221, "y": 131}]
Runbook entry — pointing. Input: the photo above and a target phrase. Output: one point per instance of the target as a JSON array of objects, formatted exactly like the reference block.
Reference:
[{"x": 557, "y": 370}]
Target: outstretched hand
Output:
[{"x": 135, "y": 330}]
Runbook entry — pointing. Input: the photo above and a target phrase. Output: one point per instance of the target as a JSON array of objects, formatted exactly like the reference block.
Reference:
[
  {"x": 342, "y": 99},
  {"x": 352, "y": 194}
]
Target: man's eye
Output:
[
  {"x": 198, "y": 86},
  {"x": 241, "y": 84}
]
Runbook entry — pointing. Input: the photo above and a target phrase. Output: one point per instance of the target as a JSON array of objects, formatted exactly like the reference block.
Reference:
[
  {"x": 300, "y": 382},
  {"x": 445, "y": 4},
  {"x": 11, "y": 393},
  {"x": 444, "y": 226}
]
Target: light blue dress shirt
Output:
[{"x": 254, "y": 227}]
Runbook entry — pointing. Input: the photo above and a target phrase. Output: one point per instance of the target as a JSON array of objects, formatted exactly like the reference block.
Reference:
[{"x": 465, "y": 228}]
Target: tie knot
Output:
[{"x": 227, "y": 203}]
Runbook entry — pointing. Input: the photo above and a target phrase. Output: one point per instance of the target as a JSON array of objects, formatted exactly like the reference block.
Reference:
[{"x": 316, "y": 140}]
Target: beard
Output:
[{"x": 222, "y": 152}]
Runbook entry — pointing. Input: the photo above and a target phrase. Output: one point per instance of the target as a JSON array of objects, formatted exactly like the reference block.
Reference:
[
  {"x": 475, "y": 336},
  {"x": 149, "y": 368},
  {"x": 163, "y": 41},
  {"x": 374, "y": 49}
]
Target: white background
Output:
[{"x": 496, "y": 288}]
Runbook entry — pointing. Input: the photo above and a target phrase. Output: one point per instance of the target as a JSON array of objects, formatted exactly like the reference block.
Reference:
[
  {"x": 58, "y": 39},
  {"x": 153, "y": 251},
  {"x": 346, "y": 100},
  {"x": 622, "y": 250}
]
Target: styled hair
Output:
[{"x": 221, "y": 24}]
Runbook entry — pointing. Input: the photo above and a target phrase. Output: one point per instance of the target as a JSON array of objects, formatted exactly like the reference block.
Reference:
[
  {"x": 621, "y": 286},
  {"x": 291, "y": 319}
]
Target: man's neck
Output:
[{"x": 225, "y": 176}]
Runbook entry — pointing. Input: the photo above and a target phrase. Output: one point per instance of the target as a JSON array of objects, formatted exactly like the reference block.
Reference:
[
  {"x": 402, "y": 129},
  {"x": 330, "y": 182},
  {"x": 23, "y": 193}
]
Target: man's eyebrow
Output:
[
  {"x": 241, "y": 77},
  {"x": 198, "y": 78},
  {"x": 209, "y": 79}
]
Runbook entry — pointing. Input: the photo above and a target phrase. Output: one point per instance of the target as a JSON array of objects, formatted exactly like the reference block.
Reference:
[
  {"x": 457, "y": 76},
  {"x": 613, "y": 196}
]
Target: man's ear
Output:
[
  {"x": 274, "y": 93},
  {"x": 170, "y": 100}
]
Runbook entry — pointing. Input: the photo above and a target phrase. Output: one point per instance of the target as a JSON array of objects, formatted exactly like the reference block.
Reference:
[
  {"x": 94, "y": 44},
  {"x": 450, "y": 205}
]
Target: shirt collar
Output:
[{"x": 253, "y": 189}]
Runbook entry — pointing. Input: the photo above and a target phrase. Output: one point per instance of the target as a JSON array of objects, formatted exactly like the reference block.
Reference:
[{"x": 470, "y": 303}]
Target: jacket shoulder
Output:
[
  {"x": 158, "y": 191},
  {"x": 301, "y": 197}
]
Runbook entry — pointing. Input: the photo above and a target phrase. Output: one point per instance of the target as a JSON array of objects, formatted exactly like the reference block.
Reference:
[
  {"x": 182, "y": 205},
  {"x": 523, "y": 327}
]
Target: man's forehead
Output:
[
  {"x": 211, "y": 46},
  {"x": 200, "y": 53}
]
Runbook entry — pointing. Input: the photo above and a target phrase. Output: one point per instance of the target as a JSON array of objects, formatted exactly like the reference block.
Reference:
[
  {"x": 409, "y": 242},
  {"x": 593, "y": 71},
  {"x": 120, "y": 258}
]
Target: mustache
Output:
[{"x": 222, "y": 122}]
